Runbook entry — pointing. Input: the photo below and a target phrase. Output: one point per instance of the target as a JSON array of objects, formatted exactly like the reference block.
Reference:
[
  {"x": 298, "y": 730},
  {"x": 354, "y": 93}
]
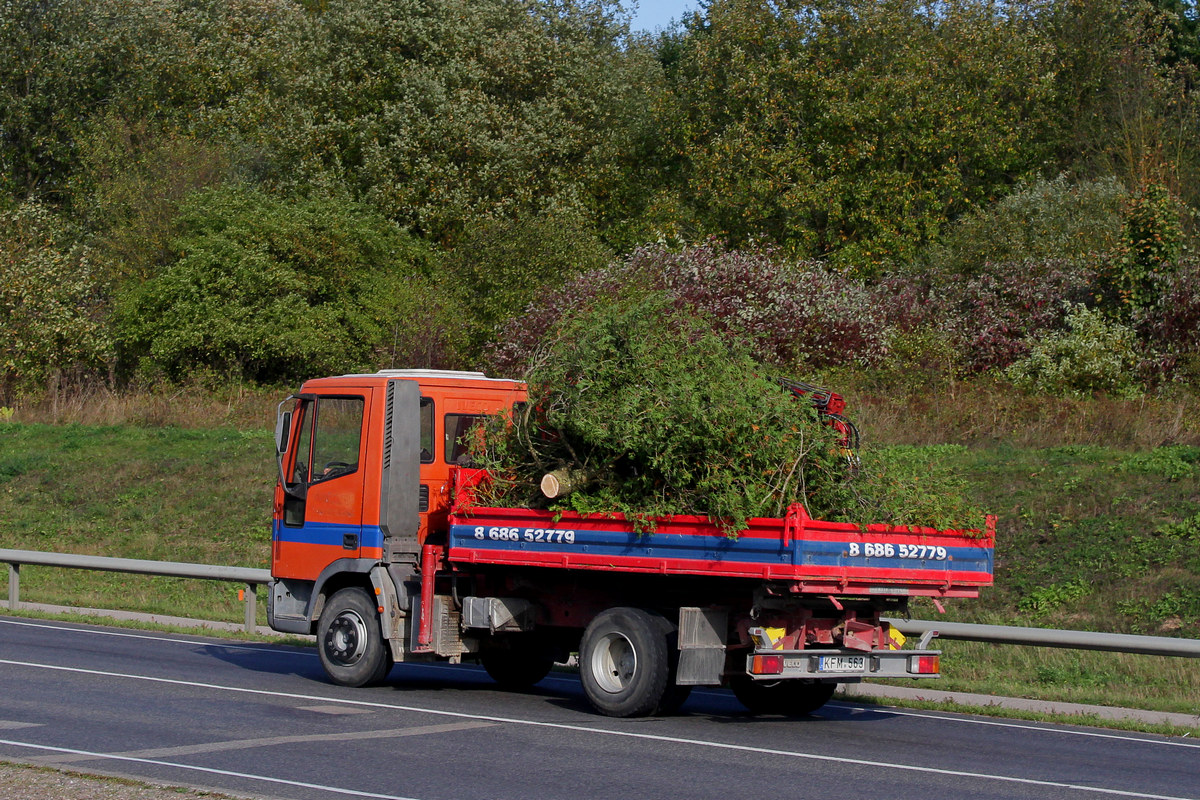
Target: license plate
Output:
[{"x": 842, "y": 664}]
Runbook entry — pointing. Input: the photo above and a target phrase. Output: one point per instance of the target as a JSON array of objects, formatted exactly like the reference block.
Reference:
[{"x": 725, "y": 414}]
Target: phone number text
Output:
[
  {"x": 886, "y": 550},
  {"x": 546, "y": 535}
]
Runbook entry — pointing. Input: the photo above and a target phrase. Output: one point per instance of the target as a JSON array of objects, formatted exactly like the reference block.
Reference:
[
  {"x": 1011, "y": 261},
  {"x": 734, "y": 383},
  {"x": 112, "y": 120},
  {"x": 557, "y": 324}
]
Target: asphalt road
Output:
[{"x": 260, "y": 721}]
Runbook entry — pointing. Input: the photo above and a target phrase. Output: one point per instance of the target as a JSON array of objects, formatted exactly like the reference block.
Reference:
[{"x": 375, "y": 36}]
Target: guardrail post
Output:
[
  {"x": 251, "y": 611},
  {"x": 14, "y": 586}
]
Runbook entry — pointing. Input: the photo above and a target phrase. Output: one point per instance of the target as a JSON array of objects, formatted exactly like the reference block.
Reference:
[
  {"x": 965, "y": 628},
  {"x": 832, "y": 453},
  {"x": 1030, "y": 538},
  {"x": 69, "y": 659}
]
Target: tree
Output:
[
  {"x": 501, "y": 265},
  {"x": 858, "y": 129},
  {"x": 52, "y": 304},
  {"x": 204, "y": 64},
  {"x": 266, "y": 289},
  {"x": 438, "y": 111}
]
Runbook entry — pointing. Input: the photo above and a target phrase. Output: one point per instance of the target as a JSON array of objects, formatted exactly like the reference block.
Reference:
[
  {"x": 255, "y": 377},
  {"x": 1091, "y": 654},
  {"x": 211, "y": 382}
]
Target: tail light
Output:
[
  {"x": 766, "y": 665},
  {"x": 924, "y": 665}
]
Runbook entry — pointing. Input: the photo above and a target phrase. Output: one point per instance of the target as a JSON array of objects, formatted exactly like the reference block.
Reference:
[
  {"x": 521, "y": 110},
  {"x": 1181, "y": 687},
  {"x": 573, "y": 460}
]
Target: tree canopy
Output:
[{"x": 914, "y": 148}]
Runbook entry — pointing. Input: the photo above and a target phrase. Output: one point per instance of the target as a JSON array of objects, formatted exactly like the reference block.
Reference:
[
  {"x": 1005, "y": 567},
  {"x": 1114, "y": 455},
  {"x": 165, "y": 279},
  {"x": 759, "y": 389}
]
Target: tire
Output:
[
  {"x": 791, "y": 698},
  {"x": 520, "y": 667},
  {"x": 350, "y": 640},
  {"x": 673, "y": 698},
  {"x": 624, "y": 662}
]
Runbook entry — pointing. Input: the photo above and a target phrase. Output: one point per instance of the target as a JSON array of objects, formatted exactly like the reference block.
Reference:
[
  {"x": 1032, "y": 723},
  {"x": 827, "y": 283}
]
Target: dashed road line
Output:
[{"x": 207, "y": 770}]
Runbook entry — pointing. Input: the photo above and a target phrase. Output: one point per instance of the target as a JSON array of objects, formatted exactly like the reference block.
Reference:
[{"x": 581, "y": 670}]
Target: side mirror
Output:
[
  {"x": 283, "y": 432},
  {"x": 283, "y": 429}
]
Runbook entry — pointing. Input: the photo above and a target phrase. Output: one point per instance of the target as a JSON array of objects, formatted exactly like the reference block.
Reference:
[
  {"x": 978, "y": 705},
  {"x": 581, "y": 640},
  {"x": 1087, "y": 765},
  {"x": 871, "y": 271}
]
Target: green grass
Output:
[
  {"x": 1090, "y": 538},
  {"x": 165, "y": 494},
  {"x": 1001, "y": 712}
]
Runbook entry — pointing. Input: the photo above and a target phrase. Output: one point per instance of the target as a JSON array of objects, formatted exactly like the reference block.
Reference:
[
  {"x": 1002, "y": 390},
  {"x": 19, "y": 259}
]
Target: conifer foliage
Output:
[{"x": 655, "y": 413}]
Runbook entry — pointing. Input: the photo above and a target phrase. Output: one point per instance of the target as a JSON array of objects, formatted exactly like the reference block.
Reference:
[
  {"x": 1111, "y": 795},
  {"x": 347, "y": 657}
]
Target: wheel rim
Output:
[
  {"x": 346, "y": 640},
  {"x": 613, "y": 663}
]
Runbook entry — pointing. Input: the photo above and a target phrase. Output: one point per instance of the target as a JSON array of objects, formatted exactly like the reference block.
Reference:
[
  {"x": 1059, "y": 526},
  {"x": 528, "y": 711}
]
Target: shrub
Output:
[
  {"x": 265, "y": 290},
  {"x": 1171, "y": 326},
  {"x": 501, "y": 264},
  {"x": 1094, "y": 355},
  {"x": 790, "y": 314},
  {"x": 996, "y": 316},
  {"x": 1043, "y": 220},
  {"x": 1154, "y": 242},
  {"x": 53, "y": 308}
]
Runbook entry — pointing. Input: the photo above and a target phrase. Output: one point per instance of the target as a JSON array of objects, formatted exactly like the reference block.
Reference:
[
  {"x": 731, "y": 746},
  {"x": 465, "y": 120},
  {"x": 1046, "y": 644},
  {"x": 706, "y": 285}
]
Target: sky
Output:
[{"x": 654, "y": 14}]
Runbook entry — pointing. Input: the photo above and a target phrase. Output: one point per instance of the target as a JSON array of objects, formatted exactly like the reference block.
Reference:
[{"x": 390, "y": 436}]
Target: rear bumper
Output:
[{"x": 842, "y": 665}]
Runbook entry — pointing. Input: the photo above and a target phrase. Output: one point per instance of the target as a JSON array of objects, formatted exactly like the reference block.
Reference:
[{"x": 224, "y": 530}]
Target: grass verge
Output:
[{"x": 1001, "y": 712}]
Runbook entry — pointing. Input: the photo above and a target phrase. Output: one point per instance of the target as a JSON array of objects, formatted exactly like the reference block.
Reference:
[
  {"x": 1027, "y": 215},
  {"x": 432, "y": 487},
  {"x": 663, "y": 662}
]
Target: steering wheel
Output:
[{"x": 333, "y": 467}]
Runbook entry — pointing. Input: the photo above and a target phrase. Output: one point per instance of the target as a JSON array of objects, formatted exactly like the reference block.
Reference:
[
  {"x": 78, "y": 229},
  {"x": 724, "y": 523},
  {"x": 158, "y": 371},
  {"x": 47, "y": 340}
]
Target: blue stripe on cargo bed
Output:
[{"x": 712, "y": 549}]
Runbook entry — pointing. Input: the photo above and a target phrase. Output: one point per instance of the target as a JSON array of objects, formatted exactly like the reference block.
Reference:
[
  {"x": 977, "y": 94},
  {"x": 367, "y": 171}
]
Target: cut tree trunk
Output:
[{"x": 562, "y": 482}]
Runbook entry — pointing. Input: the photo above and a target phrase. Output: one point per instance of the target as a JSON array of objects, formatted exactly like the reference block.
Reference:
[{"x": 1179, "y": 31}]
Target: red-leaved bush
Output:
[
  {"x": 995, "y": 317},
  {"x": 791, "y": 313},
  {"x": 1171, "y": 327}
]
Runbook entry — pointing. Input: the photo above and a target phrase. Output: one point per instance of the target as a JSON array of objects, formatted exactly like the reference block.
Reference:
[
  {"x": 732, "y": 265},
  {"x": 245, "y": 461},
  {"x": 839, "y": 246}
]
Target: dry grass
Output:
[
  {"x": 195, "y": 406},
  {"x": 24, "y": 782},
  {"x": 984, "y": 414},
  {"x": 977, "y": 413}
]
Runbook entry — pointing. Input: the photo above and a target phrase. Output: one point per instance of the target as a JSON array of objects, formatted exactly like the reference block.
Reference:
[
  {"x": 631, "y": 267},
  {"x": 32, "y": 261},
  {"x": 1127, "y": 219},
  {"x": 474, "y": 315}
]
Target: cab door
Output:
[{"x": 319, "y": 510}]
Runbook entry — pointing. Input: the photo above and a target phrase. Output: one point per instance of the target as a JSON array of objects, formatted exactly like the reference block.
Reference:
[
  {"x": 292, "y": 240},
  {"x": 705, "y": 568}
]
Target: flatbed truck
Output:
[{"x": 381, "y": 550}]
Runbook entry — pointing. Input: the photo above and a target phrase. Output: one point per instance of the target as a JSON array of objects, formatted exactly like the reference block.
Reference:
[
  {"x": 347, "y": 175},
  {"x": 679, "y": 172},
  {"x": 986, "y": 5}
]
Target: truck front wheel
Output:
[
  {"x": 792, "y": 698},
  {"x": 624, "y": 662},
  {"x": 350, "y": 640}
]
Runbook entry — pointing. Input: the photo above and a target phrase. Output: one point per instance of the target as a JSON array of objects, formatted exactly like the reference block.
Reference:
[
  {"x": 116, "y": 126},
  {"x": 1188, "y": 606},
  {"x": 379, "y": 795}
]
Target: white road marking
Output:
[
  {"x": 605, "y": 732},
  {"x": 209, "y": 770},
  {"x": 1016, "y": 725},
  {"x": 575, "y": 682},
  {"x": 889, "y": 710},
  {"x": 12, "y": 725},
  {"x": 271, "y": 741},
  {"x": 335, "y": 710},
  {"x": 120, "y": 635}
]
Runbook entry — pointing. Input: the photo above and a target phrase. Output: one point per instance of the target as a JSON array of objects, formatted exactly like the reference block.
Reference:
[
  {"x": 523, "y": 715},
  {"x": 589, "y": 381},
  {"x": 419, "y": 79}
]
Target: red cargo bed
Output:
[{"x": 815, "y": 556}]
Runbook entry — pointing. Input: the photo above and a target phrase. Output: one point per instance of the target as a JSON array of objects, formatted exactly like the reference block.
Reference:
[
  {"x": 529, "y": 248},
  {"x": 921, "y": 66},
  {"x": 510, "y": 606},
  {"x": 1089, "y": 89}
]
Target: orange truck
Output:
[{"x": 380, "y": 549}]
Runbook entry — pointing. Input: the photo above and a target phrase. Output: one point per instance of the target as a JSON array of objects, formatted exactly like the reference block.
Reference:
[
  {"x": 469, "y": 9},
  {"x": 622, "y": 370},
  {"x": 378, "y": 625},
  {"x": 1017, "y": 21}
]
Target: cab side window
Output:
[
  {"x": 460, "y": 435},
  {"x": 426, "y": 430},
  {"x": 306, "y": 410},
  {"x": 338, "y": 437}
]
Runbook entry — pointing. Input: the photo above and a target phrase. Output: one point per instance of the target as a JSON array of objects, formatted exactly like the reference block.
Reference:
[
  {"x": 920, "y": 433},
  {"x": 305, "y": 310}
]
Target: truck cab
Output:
[{"x": 365, "y": 463}]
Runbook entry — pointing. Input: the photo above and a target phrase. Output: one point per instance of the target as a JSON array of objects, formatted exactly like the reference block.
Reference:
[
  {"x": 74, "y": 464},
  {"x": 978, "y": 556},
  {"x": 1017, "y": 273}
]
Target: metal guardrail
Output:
[
  {"x": 964, "y": 631},
  {"x": 1052, "y": 637},
  {"x": 252, "y": 578}
]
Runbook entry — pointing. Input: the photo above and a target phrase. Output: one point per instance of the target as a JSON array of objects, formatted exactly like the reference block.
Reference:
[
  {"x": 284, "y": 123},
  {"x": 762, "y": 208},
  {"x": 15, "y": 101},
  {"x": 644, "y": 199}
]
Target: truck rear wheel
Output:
[
  {"x": 624, "y": 662},
  {"x": 350, "y": 640},
  {"x": 518, "y": 668},
  {"x": 792, "y": 698}
]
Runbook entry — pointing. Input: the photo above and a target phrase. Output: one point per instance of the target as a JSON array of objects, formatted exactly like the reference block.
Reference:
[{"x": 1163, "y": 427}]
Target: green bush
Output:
[
  {"x": 52, "y": 306},
  {"x": 1154, "y": 243},
  {"x": 502, "y": 264},
  {"x": 1042, "y": 220},
  {"x": 1093, "y": 355},
  {"x": 266, "y": 289}
]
